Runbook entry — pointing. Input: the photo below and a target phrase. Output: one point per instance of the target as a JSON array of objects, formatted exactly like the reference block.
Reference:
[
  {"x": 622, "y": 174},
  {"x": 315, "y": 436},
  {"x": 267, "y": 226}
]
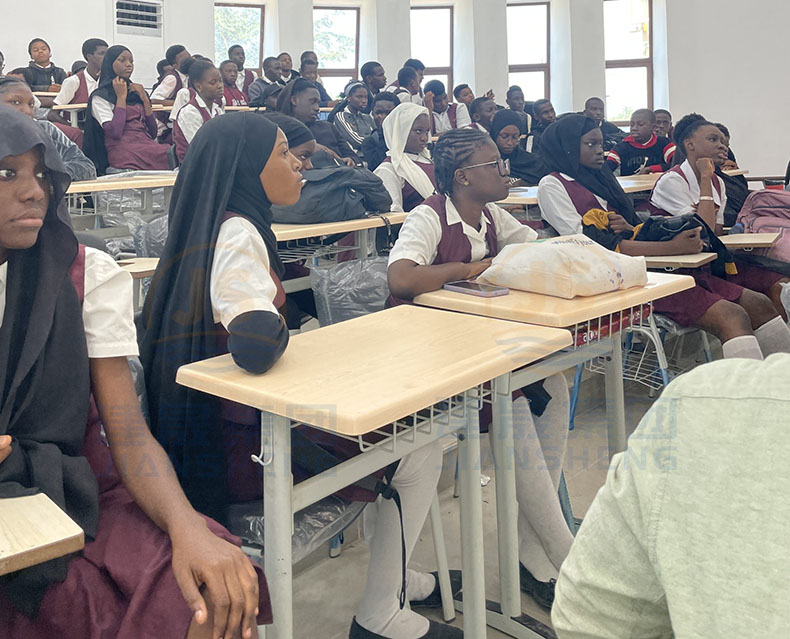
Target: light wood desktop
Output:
[
  {"x": 45, "y": 94},
  {"x": 287, "y": 232},
  {"x": 748, "y": 241},
  {"x": 121, "y": 184},
  {"x": 34, "y": 530},
  {"x": 140, "y": 267},
  {"x": 674, "y": 262}
]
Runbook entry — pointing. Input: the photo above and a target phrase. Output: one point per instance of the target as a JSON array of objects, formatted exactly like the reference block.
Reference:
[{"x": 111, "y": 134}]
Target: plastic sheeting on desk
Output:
[
  {"x": 349, "y": 289},
  {"x": 111, "y": 205}
]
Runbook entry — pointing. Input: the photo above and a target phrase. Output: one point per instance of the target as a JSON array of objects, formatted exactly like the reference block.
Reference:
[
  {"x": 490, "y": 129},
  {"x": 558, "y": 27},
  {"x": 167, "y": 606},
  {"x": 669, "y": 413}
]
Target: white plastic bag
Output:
[{"x": 565, "y": 267}]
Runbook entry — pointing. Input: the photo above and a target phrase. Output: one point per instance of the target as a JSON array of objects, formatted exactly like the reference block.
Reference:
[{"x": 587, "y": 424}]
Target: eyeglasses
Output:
[{"x": 502, "y": 165}]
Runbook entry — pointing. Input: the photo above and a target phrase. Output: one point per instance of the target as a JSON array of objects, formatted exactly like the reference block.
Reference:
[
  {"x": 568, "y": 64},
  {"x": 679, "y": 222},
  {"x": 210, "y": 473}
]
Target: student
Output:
[
  {"x": 16, "y": 94},
  {"x": 581, "y": 185},
  {"x": 353, "y": 123},
  {"x": 454, "y": 235},
  {"x": 151, "y": 565},
  {"x": 545, "y": 115},
  {"x": 642, "y": 151},
  {"x": 506, "y": 131},
  {"x": 289, "y": 73},
  {"x": 664, "y": 126},
  {"x": 375, "y": 79},
  {"x": 244, "y": 77},
  {"x": 374, "y": 147},
  {"x": 121, "y": 130},
  {"x": 233, "y": 95},
  {"x": 311, "y": 55},
  {"x": 693, "y": 186},
  {"x": 273, "y": 71},
  {"x": 77, "y": 66},
  {"x": 444, "y": 116},
  {"x": 407, "y": 171},
  {"x": 482, "y": 112},
  {"x": 175, "y": 79},
  {"x": 418, "y": 66},
  {"x": 736, "y": 186},
  {"x": 309, "y": 71},
  {"x": 300, "y": 99},
  {"x": 42, "y": 74},
  {"x": 268, "y": 99},
  {"x": 515, "y": 102},
  {"x": 205, "y": 79},
  {"x": 462, "y": 93},
  {"x": 594, "y": 108},
  {"x": 407, "y": 88},
  {"x": 77, "y": 88},
  {"x": 687, "y": 538}
]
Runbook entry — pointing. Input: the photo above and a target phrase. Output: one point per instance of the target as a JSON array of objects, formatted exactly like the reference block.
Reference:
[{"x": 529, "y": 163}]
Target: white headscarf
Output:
[{"x": 397, "y": 126}]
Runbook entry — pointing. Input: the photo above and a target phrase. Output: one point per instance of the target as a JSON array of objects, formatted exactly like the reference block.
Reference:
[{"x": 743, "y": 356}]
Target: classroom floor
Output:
[{"x": 326, "y": 593}]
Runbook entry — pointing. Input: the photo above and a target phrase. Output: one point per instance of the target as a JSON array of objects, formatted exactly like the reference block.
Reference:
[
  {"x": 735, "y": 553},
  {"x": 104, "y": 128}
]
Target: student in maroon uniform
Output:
[
  {"x": 642, "y": 151},
  {"x": 245, "y": 77},
  {"x": 444, "y": 115},
  {"x": 233, "y": 95},
  {"x": 76, "y": 89},
  {"x": 482, "y": 112},
  {"x": 208, "y": 87}
]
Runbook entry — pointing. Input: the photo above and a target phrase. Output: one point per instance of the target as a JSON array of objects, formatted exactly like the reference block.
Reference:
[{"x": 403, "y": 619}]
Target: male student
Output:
[
  {"x": 42, "y": 74},
  {"x": 374, "y": 147},
  {"x": 272, "y": 74},
  {"x": 289, "y": 73},
  {"x": 375, "y": 79},
  {"x": 482, "y": 111},
  {"x": 514, "y": 98},
  {"x": 664, "y": 123},
  {"x": 419, "y": 68},
  {"x": 594, "y": 108},
  {"x": 245, "y": 77},
  {"x": 76, "y": 89},
  {"x": 174, "y": 80},
  {"x": 407, "y": 87},
  {"x": 463, "y": 93},
  {"x": 544, "y": 116},
  {"x": 444, "y": 116},
  {"x": 642, "y": 151},
  {"x": 309, "y": 71},
  {"x": 311, "y": 55}
]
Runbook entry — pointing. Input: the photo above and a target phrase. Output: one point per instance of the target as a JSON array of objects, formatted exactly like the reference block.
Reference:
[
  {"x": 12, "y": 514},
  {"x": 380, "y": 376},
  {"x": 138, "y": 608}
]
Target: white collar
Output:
[
  {"x": 689, "y": 173},
  {"x": 454, "y": 217},
  {"x": 3, "y": 273}
]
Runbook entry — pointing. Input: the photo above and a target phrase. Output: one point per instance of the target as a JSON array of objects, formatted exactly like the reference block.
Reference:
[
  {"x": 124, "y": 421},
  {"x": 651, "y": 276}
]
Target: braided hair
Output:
[
  {"x": 452, "y": 151},
  {"x": 684, "y": 129}
]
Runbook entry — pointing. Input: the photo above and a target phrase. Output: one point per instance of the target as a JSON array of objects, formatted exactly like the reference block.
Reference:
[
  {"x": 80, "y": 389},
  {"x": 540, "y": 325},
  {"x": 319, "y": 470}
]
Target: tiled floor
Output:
[{"x": 326, "y": 593}]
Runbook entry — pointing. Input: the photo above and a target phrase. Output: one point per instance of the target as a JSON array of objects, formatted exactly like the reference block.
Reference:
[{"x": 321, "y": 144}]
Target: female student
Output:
[
  {"x": 220, "y": 229},
  {"x": 205, "y": 79},
  {"x": 42, "y": 74},
  {"x": 693, "y": 186},
  {"x": 233, "y": 95},
  {"x": 507, "y": 127},
  {"x": 744, "y": 321},
  {"x": 152, "y": 566},
  {"x": 121, "y": 130},
  {"x": 353, "y": 123},
  {"x": 407, "y": 171},
  {"x": 454, "y": 235}
]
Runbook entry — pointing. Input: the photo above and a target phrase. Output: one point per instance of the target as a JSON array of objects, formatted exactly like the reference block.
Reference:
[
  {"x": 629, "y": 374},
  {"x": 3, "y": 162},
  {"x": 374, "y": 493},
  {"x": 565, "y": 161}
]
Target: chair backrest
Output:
[{"x": 92, "y": 240}]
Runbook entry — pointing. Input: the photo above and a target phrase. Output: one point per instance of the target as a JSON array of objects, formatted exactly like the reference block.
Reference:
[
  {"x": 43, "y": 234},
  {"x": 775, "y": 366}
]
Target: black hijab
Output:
[
  {"x": 220, "y": 173},
  {"x": 523, "y": 165},
  {"x": 42, "y": 335},
  {"x": 93, "y": 145}
]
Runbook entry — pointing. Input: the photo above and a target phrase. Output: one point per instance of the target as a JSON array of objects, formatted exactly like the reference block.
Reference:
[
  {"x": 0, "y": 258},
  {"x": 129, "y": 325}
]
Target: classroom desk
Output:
[
  {"x": 733, "y": 172},
  {"x": 45, "y": 94},
  {"x": 145, "y": 183},
  {"x": 528, "y": 195},
  {"x": 34, "y": 530},
  {"x": 140, "y": 267},
  {"x": 596, "y": 324},
  {"x": 239, "y": 108},
  {"x": 749, "y": 241},
  {"x": 376, "y": 386},
  {"x": 671, "y": 263},
  {"x": 73, "y": 111}
]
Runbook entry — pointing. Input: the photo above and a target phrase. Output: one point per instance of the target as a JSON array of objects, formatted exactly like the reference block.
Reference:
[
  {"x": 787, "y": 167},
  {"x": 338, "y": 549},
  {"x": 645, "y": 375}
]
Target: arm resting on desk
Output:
[{"x": 257, "y": 340}]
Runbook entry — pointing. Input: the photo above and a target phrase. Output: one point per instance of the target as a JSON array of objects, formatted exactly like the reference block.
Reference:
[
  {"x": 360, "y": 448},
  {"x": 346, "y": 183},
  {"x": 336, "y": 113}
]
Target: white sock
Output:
[
  {"x": 419, "y": 585},
  {"x": 773, "y": 337},
  {"x": 744, "y": 346}
]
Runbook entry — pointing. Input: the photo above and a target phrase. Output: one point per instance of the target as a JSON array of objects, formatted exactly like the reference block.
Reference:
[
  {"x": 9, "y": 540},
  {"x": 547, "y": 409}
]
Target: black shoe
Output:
[
  {"x": 434, "y": 600},
  {"x": 541, "y": 591},
  {"x": 435, "y": 631}
]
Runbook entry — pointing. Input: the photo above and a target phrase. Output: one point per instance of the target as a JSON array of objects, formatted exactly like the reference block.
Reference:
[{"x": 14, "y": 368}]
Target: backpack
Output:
[{"x": 768, "y": 211}]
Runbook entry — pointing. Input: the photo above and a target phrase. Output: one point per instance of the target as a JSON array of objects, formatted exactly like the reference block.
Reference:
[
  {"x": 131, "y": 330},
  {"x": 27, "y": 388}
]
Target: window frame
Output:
[
  {"x": 353, "y": 73},
  {"x": 635, "y": 63},
  {"x": 260, "y": 6},
  {"x": 448, "y": 71},
  {"x": 544, "y": 67}
]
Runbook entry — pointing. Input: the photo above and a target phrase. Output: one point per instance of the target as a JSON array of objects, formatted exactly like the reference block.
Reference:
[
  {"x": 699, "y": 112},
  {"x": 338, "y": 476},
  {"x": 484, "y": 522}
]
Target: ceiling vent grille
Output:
[{"x": 138, "y": 18}]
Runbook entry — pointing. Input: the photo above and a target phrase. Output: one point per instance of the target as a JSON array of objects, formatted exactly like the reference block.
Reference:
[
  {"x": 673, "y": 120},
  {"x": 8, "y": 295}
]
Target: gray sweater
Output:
[{"x": 78, "y": 166}]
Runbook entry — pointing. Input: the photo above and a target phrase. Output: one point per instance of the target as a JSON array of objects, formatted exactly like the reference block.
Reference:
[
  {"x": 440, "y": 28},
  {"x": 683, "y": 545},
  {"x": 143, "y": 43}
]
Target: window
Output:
[
  {"x": 239, "y": 24},
  {"x": 336, "y": 42},
  {"x": 432, "y": 43},
  {"x": 628, "y": 43},
  {"x": 528, "y": 48}
]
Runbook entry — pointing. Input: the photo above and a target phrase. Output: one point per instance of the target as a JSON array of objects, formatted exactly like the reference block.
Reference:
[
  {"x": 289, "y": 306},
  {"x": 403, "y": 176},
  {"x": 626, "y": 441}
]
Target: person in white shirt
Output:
[
  {"x": 289, "y": 73},
  {"x": 407, "y": 88},
  {"x": 444, "y": 115},
  {"x": 207, "y": 83},
  {"x": 77, "y": 88},
  {"x": 166, "y": 91}
]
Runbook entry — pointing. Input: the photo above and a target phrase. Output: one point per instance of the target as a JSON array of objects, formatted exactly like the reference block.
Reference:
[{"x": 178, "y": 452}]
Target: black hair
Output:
[
  {"x": 512, "y": 90},
  {"x": 268, "y": 61},
  {"x": 160, "y": 66},
  {"x": 406, "y": 75},
  {"x": 78, "y": 66},
  {"x": 539, "y": 103},
  {"x": 477, "y": 104},
  {"x": 651, "y": 114},
  {"x": 2, "y": 57},
  {"x": 90, "y": 45},
  {"x": 368, "y": 68},
  {"x": 224, "y": 62},
  {"x": 686, "y": 127},
  {"x": 722, "y": 128},
  {"x": 415, "y": 64},
  {"x": 295, "y": 87},
  {"x": 280, "y": 55},
  {"x": 197, "y": 56},
  {"x": 19, "y": 71},
  {"x": 457, "y": 90},
  {"x": 186, "y": 65},
  {"x": 307, "y": 54},
  {"x": 233, "y": 47},
  {"x": 354, "y": 86},
  {"x": 385, "y": 96},
  {"x": 197, "y": 70},
  {"x": 307, "y": 63},
  {"x": 33, "y": 41},
  {"x": 436, "y": 87},
  {"x": 172, "y": 52},
  {"x": 587, "y": 102},
  {"x": 665, "y": 112},
  {"x": 7, "y": 83},
  {"x": 453, "y": 150}
]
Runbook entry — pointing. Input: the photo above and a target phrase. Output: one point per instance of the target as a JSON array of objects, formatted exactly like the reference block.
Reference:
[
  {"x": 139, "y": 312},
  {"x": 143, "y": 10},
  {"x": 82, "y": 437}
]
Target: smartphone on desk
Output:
[{"x": 471, "y": 287}]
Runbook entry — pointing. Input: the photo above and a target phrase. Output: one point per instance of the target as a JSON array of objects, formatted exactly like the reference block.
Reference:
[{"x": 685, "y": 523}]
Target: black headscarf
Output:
[
  {"x": 523, "y": 165},
  {"x": 220, "y": 173},
  {"x": 42, "y": 335},
  {"x": 93, "y": 145}
]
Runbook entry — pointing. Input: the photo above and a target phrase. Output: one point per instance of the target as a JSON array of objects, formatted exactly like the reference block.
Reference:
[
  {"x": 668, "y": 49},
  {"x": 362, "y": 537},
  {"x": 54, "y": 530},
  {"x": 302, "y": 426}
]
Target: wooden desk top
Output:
[
  {"x": 630, "y": 184},
  {"x": 121, "y": 183},
  {"x": 77, "y": 106},
  {"x": 694, "y": 260},
  {"x": 34, "y": 530},
  {"x": 285, "y": 232},
  {"x": 239, "y": 108},
  {"x": 359, "y": 375},
  {"x": 733, "y": 172},
  {"x": 45, "y": 94},
  {"x": 546, "y": 310},
  {"x": 749, "y": 240},
  {"x": 140, "y": 267}
]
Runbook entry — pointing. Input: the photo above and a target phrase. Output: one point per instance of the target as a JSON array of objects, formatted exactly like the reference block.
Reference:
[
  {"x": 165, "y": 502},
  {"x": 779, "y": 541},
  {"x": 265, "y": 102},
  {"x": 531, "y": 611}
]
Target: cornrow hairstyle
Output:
[
  {"x": 172, "y": 52},
  {"x": 197, "y": 70},
  {"x": 406, "y": 75},
  {"x": 452, "y": 151},
  {"x": 33, "y": 41},
  {"x": 512, "y": 90},
  {"x": 477, "y": 104},
  {"x": 385, "y": 96},
  {"x": 436, "y": 87},
  {"x": 457, "y": 90}
]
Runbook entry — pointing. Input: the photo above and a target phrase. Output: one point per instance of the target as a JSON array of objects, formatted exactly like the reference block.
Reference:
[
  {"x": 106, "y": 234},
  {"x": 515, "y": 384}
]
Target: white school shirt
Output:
[
  {"x": 102, "y": 110},
  {"x": 476, "y": 125},
  {"x": 676, "y": 196},
  {"x": 181, "y": 100},
  {"x": 556, "y": 206},
  {"x": 421, "y": 232},
  {"x": 240, "y": 79},
  {"x": 107, "y": 310},
  {"x": 240, "y": 277},
  {"x": 70, "y": 86},
  {"x": 393, "y": 182},
  {"x": 167, "y": 87},
  {"x": 190, "y": 119},
  {"x": 441, "y": 121}
]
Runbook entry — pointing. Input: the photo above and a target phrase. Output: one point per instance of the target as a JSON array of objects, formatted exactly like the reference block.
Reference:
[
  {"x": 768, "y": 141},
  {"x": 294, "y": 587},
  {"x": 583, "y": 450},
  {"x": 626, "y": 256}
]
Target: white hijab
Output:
[{"x": 397, "y": 126}]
